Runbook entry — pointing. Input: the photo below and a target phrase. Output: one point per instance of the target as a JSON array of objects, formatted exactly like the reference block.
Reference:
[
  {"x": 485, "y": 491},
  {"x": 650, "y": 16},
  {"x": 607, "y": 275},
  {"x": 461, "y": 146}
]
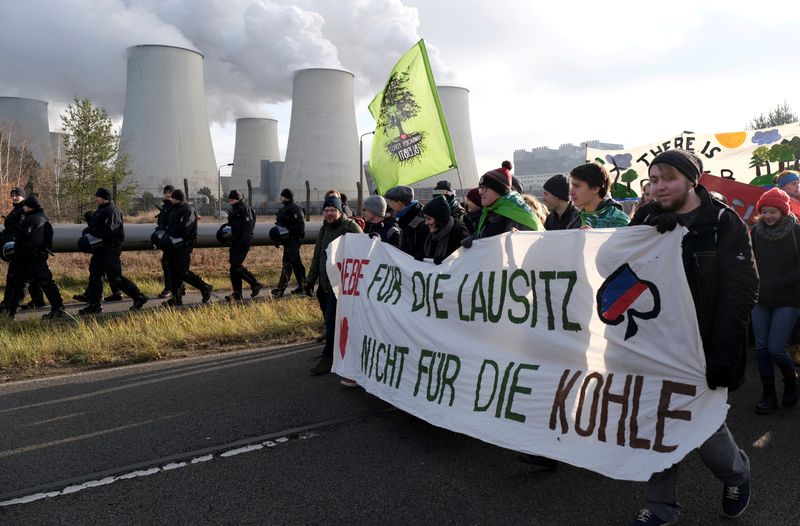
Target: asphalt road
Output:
[{"x": 251, "y": 438}]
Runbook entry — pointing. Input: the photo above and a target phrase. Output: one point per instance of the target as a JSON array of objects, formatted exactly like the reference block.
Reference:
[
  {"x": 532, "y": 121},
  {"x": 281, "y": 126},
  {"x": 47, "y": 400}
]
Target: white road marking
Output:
[{"x": 763, "y": 440}]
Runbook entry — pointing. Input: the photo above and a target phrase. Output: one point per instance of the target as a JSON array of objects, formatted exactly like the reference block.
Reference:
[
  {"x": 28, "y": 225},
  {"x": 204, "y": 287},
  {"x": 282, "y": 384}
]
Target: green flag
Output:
[{"x": 411, "y": 141}]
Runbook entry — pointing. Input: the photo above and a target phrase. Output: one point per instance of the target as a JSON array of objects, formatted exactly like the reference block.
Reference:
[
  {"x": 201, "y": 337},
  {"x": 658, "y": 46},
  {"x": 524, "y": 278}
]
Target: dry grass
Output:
[{"x": 154, "y": 334}]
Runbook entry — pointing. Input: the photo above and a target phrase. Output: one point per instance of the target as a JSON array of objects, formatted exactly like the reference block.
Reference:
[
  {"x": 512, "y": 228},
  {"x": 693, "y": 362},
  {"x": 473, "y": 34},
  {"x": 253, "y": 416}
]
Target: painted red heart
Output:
[{"x": 343, "y": 330}]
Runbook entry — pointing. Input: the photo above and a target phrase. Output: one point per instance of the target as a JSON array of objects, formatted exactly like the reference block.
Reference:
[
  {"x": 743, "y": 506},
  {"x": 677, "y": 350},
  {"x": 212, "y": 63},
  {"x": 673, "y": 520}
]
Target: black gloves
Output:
[
  {"x": 87, "y": 215},
  {"x": 716, "y": 377},
  {"x": 665, "y": 222},
  {"x": 467, "y": 242}
]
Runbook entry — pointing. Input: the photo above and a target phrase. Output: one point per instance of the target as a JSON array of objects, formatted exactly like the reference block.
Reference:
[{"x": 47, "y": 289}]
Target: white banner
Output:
[
  {"x": 581, "y": 346},
  {"x": 751, "y": 156}
]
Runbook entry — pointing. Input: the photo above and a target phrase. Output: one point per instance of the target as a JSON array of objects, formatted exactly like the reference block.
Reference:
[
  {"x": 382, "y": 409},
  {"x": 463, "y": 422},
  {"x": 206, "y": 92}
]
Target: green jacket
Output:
[
  {"x": 609, "y": 214},
  {"x": 328, "y": 233}
]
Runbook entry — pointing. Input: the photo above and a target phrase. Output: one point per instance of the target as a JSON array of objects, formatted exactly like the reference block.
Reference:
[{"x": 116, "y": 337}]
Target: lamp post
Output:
[
  {"x": 219, "y": 189},
  {"x": 361, "y": 170}
]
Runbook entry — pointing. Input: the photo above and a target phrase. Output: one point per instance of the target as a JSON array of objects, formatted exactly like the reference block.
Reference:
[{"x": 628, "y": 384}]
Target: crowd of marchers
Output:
[{"x": 722, "y": 260}]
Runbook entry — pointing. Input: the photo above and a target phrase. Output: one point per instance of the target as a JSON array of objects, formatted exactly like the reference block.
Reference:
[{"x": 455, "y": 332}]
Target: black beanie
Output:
[
  {"x": 32, "y": 202},
  {"x": 288, "y": 194},
  {"x": 684, "y": 161},
  {"x": 103, "y": 193},
  {"x": 17, "y": 191},
  {"x": 437, "y": 208},
  {"x": 178, "y": 194},
  {"x": 558, "y": 186},
  {"x": 235, "y": 194}
]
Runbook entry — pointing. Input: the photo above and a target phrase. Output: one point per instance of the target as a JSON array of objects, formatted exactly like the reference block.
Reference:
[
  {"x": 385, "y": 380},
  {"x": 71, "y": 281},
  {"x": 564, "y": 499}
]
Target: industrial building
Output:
[
  {"x": 24, "y": 121},
  {"x": 165, "y": 131},
  {"x": 544, "y": 160}
]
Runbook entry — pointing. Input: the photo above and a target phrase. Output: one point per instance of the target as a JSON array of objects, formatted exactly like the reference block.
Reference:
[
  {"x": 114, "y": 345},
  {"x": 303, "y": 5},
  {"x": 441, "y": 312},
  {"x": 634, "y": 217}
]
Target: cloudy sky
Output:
[{"x": 539, "y": 73}]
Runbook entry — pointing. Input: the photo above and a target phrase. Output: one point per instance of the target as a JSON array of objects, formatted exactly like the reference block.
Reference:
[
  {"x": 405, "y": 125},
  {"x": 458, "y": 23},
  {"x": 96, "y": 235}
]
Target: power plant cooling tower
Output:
[
  {"x": 256, "y": 141},
  {"x": 165, "y": 129},
  {"x": 323, "y": 138},
  {"x": 25, "y": 122},
  {"x": 455, "y": 103}
]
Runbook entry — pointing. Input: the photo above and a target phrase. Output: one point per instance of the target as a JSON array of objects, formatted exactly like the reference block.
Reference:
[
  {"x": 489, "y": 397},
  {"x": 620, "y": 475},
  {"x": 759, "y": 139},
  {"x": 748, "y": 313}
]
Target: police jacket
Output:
[
  {"x": 413, "y": 230},
  {"x": 12, "y": 221},
  {"x": 34, "y": 234},
  {"x": 163, "y": 215},
  {"x": 291, "y": 216},
  {"x": 182, "y": 222},
  {"x": 242, "y": 220},
  {"x": 386, "y": 230},
  {"x": 106, "y": 223},
  {"x": 722, "y": 276}
]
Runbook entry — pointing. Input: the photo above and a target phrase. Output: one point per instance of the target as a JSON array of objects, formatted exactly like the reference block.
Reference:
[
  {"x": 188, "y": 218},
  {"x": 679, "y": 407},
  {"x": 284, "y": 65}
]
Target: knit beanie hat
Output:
[
  {"x": 786, "y": 177},
  {"x": 558, "y": 185},
  {"x": 32, "y": 202},
  {"x": 774, "y": 197},
  {"x": 498, "y": 180},
  {"x": 438, "y": 209},
  {"x": 443, "y": 188},
  {"x": 684, "y": 161},
  {"x": 235, "y": 194},
  {"x": 178, "y": 194},
  {"x": 103, "y": 193},
  {"x": 516, "y": 184},
  {"x": 335, "y": 202},
  {"x": 287, "y": 194},
  {"x": 17, "y": 191},
  {"x": 375, "y": 204},
  {"x": 474, "y": 196}
]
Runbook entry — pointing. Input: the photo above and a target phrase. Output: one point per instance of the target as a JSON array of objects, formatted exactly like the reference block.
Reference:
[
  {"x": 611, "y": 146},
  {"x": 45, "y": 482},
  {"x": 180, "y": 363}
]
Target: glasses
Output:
[{"x": 482, "y": 187}]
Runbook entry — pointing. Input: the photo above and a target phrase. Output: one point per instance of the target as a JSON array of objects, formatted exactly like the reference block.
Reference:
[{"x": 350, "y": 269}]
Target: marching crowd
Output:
[{"x": 735, "y": 274}]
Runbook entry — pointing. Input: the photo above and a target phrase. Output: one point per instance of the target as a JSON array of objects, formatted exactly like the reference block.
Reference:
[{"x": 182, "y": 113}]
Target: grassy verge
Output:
[{"x": 154, "y": 334}]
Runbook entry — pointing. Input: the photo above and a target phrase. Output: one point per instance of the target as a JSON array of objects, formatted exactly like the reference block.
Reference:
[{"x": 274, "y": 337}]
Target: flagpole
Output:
[{"x": 460, "y": 183}]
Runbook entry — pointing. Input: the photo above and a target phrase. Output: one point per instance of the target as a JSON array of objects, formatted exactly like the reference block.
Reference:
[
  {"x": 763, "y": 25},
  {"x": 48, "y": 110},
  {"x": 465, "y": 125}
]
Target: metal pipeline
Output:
[{"x": 137, "y": 236}]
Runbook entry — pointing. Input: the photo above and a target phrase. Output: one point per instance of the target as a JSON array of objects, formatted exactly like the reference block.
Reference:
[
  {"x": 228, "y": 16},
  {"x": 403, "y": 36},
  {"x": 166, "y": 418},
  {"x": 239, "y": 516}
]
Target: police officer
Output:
[
  {"x": 106, "y": 223},
  {"x": 182, "y": 229},
  {"x": 161, "y": 223},
  {"x": 242, "y": 220},
  {"x": 291, "y": 217},
  {"x": 11, "y": 221},
  {"x": 33, "y": 238}
]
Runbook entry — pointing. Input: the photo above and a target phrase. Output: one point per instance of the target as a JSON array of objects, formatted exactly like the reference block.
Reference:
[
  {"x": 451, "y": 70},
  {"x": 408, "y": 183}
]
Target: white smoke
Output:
[{"x": 58, "y": 50}]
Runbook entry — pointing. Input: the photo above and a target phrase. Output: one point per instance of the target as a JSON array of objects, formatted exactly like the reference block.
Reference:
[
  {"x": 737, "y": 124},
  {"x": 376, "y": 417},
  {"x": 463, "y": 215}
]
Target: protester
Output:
[
  {"x": 181, "y": 232},
  {"x": 408, "y": 213},
  {"x": 33, "y": 244},
  {"x": 106, "y": 224},
  {"x": 10, "y": 223},
  {"x": 538, "y": 208},
  {"x": 335, "y": 224},
  {"x": 589, "y": 187},
  {"x": 292, "y": 218},
  {"x": 376, "y": 223},
  {"x": 644, "y": 199},
  {"x": 242, "y": 220},
  {"x": 161, "y": 223},
  {"x": 722, "y": 278},
  {"x": 563, "y": 214},
  {"x": 473, "y": 204},
  {"x": 789, "y": 182},
  {"x": 444, "y": 189},
  {"x": 775, "y": 245},
  {"x": 445, "y": 232}
]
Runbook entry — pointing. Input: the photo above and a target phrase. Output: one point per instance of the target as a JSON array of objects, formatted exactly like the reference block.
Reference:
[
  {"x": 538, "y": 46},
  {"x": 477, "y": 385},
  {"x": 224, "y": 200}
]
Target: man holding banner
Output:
[{"x": 718, "y": 262}]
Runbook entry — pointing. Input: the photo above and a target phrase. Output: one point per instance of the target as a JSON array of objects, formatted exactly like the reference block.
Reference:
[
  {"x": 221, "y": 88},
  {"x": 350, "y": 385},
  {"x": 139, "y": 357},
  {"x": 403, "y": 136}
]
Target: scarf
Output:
[
  {"x": 405, "y": 210},
  {"x": 514, "y": 208},
  {"x": 779, "y": 230},
  {"x": 440, "y": 238}
]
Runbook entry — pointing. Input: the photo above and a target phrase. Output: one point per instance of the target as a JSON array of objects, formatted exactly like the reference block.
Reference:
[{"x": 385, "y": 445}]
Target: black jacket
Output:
[
  {"x": 496, "y": 224},
  {"x": 778, "y": 263},
  {"x": 722, "y": 276},
  {"x": 182, "y": 222},
  {"x": 163, "y": 215},
  {"x": 34, "y": 235},
  {"x": 11, "y": 222},
  {"x": 571, "y": 218},
  {"x": 453, "y": 242},
  {"x": 471, "y": 220},
  {"x": 106, "y": 223},
  {"x": 413, "y": 231},
  {"x": 388, "y": 231},
  {"x": 242, "y": 220},
  {"x": 292, "y": 217}
]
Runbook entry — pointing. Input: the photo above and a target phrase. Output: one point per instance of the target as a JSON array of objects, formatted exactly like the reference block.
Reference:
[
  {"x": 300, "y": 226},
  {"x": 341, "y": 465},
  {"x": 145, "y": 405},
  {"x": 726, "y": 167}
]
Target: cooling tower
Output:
[
  {"x": 256, "y": 141},
  {"x": 25, "y": 122},
  {"x": 323, "y": 138},
  {"x": 455, "y": 103},
  {"x": 165, "y": 129}
]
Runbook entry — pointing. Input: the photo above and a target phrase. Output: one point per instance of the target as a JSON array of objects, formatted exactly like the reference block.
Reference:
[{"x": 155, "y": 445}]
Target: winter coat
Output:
[
  {"x": 292, "y": 217},
  {"x": 413, "y": 229},
  {"x": 182, "y": 222},
  {"x": 471, "y": 220},
  {"x": 389, "y": 232},
  {"x": 163, "y": 215},
  {"x": 34, "y": 235},
  {"x": 571, "y": 218},
  {"x": 722, "y": 277},
  {"x": 778, "y": 263},
  {"x": 242, "y": 220},
  {"x": 445, "y": 241},
  {"x": 319, "y": 263},
  {"x": 609, "y": 214},
  {"x": 11, "y": 222},
  {"x": 106, "y": 223}
]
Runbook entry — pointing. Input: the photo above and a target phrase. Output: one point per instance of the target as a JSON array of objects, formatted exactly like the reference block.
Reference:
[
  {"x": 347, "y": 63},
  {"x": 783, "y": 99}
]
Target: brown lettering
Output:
[
  {"x": 559, "y": 402},
  {"x": 582, "y": 400},
  {"x": 636, "y": 442},
  {"x": 616, "y": 399},
  {"x": 667, "y": 390}
]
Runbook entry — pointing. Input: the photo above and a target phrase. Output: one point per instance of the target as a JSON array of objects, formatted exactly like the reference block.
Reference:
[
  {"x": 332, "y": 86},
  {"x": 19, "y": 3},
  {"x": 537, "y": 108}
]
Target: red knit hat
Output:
[
  {"x": 498, "y": 180},
  {"x": 774, "y": 197},
  {"x": 474, "y": 196}
]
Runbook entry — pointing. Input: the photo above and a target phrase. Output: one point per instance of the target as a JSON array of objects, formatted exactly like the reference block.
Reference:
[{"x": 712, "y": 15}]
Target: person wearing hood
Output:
[
  {"x": 10, "y": 223},
  {"x": 33, "y": 244},
  {"x": 445, "y": 233},
  {"x": 444, "y": 189},
  {"x": 408, "y": 213},
  {"x": 106, "y": 223},
  {"x": 563, "y": 214},
  {"x": 775, "y": 246},
  {"x": 375, "y": 222},
  {"x": 589, "y": 185}
]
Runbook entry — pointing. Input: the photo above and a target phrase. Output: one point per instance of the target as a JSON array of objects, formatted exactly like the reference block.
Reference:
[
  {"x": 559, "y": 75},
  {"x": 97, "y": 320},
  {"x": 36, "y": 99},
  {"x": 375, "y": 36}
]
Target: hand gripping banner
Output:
[{"x": 581, "y": 346}]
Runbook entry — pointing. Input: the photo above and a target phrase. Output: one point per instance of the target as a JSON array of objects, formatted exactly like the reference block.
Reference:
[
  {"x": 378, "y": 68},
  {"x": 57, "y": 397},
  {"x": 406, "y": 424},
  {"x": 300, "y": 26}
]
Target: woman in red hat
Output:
[{"x": 776, "y": 245}]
